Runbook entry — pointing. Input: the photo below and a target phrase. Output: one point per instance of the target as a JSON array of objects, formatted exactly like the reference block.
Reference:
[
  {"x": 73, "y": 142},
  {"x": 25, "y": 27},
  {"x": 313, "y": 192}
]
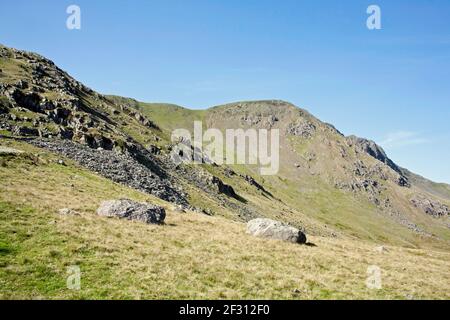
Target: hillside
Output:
[
  {"x": 78, "y": 147},
  {"x": 193, "y": 256}
]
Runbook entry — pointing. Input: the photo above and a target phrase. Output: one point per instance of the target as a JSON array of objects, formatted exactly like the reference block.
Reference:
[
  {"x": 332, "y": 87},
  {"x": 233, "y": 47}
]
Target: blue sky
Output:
[{"x": 390, "y": 85}]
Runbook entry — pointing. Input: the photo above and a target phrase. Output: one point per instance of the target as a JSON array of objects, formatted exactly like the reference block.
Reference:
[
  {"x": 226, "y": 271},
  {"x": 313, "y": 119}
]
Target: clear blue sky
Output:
[{"x": 390, "y": 85}]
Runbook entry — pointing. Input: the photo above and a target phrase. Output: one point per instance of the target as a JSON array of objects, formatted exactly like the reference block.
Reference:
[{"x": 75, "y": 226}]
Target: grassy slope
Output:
[{"x": 192, "y": 256}]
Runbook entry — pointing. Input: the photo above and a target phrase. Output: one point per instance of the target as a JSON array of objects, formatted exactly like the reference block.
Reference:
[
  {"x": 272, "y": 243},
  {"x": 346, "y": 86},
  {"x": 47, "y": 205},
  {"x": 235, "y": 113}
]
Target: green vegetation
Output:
[
  {"x": 192, "y": 256},
  {"x": 347, "y": 202}
]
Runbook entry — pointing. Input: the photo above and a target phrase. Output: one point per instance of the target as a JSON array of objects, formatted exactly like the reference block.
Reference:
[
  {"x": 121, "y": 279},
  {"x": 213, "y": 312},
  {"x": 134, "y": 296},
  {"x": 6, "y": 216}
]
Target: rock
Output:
[
  {"x": 222, "y": 187},
  {"x": 430, "y": 206},
  {"x": 25, "y": 131},
  {"x": 381, "y": 249},
  {"x": 131, "y": 210},
  {"x": 374, "y": 150},
  {"x": 9, "y": 151},
  {"x": 272, "y": 120},
  {"x": 271, "y": 229},
  {"x": 154, "y": 150},
  {"x": 65, "y": 133},
  {"x": 30, "y": 101},
  {"x": 254, "y": 183},
  {"x": 302, "y": 128},
  {"x": 179, "y": 209},
  {"x": 68, "y": 212},
  {"x": 121, "y": 168}
]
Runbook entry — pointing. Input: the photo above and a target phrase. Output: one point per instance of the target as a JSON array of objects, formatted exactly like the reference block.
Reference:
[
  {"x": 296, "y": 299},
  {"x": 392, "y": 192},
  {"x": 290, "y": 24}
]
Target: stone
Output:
[
  {"x": 121, "y": 168},
  {"x": 9, "y": 151},
  {"x": 132, "y": 210},
  {"x": 25, "y": 131},
  {"x": 381, "y": 249},
  {"x": 301, "y": 128},
  {"x": 266, "y": 228},
  {"x": 430, "y": 206},
  {"x": 68, "y": 212}
]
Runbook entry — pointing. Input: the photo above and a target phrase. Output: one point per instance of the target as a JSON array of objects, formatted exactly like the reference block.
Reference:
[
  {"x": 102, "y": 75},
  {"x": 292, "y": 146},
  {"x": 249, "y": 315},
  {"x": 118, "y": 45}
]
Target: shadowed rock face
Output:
[
  {"x": 131, "y": 210},
  {"x": 374, "y": 150},
  {"x": 271, "y": 229}
]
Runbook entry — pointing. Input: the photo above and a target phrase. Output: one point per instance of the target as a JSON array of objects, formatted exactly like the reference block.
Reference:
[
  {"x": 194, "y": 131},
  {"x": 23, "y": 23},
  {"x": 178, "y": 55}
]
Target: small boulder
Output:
[
  {"x": 68, "y": 212},
  {"x": 131, "y": 210},
  {"x": 271, "y": 229},
  {"x": 9, "y": 151},
  {"x": 381, "y": 249}
]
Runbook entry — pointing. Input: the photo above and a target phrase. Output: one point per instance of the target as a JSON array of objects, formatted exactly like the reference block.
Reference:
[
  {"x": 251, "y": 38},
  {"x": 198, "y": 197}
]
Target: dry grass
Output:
[{"x": 192, "y": 256}]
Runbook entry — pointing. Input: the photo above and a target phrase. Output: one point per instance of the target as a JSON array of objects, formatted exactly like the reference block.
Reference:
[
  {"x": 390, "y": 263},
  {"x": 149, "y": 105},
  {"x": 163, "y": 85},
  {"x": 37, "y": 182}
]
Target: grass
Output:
[{"x": 192, "y": 256}]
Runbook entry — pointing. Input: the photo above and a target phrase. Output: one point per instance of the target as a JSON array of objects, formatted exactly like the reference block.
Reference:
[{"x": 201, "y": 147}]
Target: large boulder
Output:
[
  {"x": 131, "y": 210},
  {"x": 271, "y": 229}
]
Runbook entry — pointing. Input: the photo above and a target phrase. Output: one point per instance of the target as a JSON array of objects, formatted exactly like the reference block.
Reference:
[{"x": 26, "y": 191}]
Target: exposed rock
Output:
[
  {"x": 228, "y": 172},
  {"x": 254, "y": 183},
  {"x": 154, "y": 150},
  {"x": 301, "y": 128},
  {"x": 374, "y": 150},
  {"x": 267, "y": 228},
  {"x": 65, "y": 133},
  {"x": 25, "y": 131},
  {"x": 431, "y": 207},
  {"x": 121, "y": 168},
  {"x": 9, "y": 151},
  {"x": 131, "y": 210},
  {"x": 381, "y": 249},
  {"x": 68, "y": 212},
  {"x": 272, "y": 120},
  {"x": 221, "y": 187},
  {"x": 30, "y": 101}
]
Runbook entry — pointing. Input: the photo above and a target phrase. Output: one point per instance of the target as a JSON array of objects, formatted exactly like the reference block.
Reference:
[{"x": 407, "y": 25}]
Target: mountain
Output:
[
  {"x": 342, "y": 190},
  {"x": 326, "y": 181}
]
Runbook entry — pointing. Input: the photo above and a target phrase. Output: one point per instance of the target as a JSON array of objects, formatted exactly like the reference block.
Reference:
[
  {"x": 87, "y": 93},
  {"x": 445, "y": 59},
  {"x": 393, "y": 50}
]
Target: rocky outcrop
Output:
[
  {"x": 266, "y": 228},
  {"x": 207, "y": 181},
  {"x": 131, "y": 210},
  {"x": 301, "y": 128},
  {"x": 68, "y": 212},
  {"x": 25, "y": 131},
  {"x": 250, "y": 180},
  {"x": 374, "y": 150},
  {"x": 121, "y": 168},
  {"x": 429, "y": 206}
]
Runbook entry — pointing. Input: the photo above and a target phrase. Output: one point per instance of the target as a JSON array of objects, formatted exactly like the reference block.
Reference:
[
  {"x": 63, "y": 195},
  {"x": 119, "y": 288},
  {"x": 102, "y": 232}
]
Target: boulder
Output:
[
  {"x": 25, "y": 131},
  {"x": 131, "y": 210},
  {"x": 271, "y": 229},
  {"x": 381, "y": 249},
  {"x": 9, "y": 151},
  {"x": 68, "y": 212}
]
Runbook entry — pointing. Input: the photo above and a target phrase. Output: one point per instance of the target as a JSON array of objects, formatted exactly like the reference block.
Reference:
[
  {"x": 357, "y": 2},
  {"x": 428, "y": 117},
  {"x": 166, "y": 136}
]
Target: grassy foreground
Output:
[{"x": 192, "y": 256}]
